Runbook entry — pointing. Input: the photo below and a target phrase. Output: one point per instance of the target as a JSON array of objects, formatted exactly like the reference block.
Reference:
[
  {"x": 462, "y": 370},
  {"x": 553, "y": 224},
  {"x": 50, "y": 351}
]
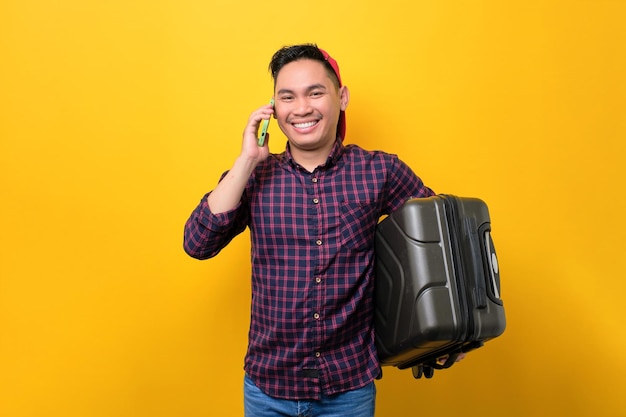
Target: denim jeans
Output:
[{"x": 357, "y": 403}]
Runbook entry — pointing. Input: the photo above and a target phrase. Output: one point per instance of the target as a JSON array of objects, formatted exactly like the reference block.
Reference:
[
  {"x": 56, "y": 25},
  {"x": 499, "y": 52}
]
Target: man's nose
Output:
[{"x": 302, "y": 106}]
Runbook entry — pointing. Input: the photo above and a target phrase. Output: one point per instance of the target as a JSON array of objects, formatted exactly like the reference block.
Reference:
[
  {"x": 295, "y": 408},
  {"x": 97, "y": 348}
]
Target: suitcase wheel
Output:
[{"x": 423, "y": 370}]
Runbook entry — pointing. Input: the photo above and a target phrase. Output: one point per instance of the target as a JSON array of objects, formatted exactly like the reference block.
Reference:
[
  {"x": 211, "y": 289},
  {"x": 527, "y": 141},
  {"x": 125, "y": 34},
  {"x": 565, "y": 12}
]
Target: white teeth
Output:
[{"x": 304, "y": 125}]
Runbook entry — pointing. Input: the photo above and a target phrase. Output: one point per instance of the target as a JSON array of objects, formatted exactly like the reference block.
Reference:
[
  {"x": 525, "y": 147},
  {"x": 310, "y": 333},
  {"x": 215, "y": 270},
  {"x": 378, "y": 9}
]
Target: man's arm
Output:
[
  {"x": 219, "y": 218},
  {"x": 403, "y": 184},
  {"x": 228, "y": 192}
]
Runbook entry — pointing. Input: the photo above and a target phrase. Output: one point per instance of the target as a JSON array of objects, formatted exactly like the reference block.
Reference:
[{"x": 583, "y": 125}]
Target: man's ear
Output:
[{"x": 344, "y": 97}]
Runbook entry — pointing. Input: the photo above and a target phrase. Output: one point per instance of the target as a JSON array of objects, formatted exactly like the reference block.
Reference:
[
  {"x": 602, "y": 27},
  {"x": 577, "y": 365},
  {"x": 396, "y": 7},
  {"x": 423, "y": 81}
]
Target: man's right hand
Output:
[
  {"x": 227, "y": 193},
  {"x": 250, "y": 149}
]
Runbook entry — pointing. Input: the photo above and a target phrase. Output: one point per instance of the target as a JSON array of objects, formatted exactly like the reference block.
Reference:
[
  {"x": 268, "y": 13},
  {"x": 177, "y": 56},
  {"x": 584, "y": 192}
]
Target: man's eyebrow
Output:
[
  {"x": 284, "y": 91},
  {"x": 308, "y": 89}
]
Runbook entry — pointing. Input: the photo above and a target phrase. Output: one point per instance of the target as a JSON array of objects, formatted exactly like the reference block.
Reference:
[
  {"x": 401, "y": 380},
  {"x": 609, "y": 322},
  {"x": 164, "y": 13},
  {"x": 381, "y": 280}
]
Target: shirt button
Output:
[
  {"x": 318, "y": 242},
  {"x": 316, "y": 316},
  {"x": 314, "y": 179},
  {"x": 316, "y": 201},
  {"x": 318, "y": 280},
  {"x": 317, "y": 354}
]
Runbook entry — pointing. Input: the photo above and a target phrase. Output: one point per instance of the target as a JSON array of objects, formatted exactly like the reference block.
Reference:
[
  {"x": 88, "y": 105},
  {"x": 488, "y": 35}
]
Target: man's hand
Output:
[
  {"x": 250, "y": 150},
  {"x": 227, "y": 193},
  {"x": 442, "y": 360}
]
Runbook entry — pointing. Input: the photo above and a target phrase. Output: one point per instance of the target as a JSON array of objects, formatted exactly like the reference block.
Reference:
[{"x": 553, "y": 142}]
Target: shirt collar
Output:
[{"x": 333, "y": 156}]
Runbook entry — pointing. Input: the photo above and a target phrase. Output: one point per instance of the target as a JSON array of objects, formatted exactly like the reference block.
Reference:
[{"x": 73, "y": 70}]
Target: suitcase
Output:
[{"x": 437, "y": 288}]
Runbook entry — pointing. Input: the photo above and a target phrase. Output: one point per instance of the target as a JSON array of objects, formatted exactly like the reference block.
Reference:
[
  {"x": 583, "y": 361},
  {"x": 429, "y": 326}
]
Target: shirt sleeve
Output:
[
  {"x": 402, "y": 185},
  {"x": 207, "y": 233}
]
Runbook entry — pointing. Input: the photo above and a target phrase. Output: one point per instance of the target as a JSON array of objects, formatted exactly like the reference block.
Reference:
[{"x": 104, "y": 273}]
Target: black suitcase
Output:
[{"x": 437, "y": 288}]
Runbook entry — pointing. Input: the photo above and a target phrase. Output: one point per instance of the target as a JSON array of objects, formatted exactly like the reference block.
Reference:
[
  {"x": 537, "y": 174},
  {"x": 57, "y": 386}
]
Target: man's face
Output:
[{"x": 308, "y": 104}]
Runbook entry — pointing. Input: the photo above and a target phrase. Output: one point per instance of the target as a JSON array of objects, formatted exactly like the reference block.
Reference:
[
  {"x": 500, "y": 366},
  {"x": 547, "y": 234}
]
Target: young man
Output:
[{"x": 312, "y": 211}]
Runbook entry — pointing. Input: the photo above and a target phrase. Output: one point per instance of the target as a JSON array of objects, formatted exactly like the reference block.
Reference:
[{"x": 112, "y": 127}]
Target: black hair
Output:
[{"x": 292, "y": 53}]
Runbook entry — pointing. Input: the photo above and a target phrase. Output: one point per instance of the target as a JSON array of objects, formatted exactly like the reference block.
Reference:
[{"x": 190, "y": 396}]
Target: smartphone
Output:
[{"x": 264, "y": 127}]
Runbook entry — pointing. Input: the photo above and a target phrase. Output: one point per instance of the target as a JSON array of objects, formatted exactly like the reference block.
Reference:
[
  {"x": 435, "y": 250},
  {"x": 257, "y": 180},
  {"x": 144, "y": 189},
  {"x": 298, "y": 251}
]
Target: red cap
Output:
[{"x": 341, "y": 125}]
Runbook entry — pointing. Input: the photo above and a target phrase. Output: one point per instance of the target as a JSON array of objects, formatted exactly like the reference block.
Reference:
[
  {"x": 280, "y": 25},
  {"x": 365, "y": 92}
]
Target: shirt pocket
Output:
[{"x": 358, "y": 224}]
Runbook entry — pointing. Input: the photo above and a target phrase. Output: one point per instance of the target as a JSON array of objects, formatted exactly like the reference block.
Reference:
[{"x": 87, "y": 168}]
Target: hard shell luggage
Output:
[{"x": 437, "y": 289}]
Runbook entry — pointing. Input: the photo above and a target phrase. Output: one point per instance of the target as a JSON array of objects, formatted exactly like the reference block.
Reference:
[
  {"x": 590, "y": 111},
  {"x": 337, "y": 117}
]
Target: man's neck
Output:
[
  {"x": 309, "y": 162},
  {"x": 311, "y": 159}
]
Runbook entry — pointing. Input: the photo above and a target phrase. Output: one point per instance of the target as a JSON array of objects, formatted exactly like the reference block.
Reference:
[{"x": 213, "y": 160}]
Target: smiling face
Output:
[{"x": 308, "y": 104}]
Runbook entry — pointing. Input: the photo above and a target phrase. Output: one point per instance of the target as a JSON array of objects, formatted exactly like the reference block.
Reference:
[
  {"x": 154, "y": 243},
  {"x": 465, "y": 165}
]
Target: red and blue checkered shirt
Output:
[{"x": 312, "y": 233}]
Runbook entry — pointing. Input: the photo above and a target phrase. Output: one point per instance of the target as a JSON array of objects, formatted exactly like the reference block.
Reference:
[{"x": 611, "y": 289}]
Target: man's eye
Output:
[
  {"x": 316, "y": 93},
  {"x": 286, "y": 98}
]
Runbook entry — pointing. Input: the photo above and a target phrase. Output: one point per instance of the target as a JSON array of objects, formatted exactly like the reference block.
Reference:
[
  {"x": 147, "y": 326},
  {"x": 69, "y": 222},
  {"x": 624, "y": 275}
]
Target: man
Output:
[{"x": 312, "y": 211}]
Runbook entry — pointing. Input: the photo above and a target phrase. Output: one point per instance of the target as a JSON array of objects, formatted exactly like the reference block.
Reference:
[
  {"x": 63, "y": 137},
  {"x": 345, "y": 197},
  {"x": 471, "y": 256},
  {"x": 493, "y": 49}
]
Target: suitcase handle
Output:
[{"x": 491, "y": 266}]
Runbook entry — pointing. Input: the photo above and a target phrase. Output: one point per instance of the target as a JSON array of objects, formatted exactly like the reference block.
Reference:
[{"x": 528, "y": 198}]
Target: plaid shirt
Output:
[{"x": 311, "y": 329}]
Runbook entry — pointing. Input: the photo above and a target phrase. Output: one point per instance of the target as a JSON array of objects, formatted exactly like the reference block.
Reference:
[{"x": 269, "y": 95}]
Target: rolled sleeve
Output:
[{"x": 207, "y": 233}]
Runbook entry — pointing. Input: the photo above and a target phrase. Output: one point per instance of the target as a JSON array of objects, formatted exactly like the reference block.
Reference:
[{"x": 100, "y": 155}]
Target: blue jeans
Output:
[{"x": 357, "y": 403}]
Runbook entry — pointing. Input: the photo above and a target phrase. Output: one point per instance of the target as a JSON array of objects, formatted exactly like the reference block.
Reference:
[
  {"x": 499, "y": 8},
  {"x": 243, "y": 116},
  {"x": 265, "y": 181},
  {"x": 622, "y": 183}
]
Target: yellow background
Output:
[{"x": 116, "y": 116}]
